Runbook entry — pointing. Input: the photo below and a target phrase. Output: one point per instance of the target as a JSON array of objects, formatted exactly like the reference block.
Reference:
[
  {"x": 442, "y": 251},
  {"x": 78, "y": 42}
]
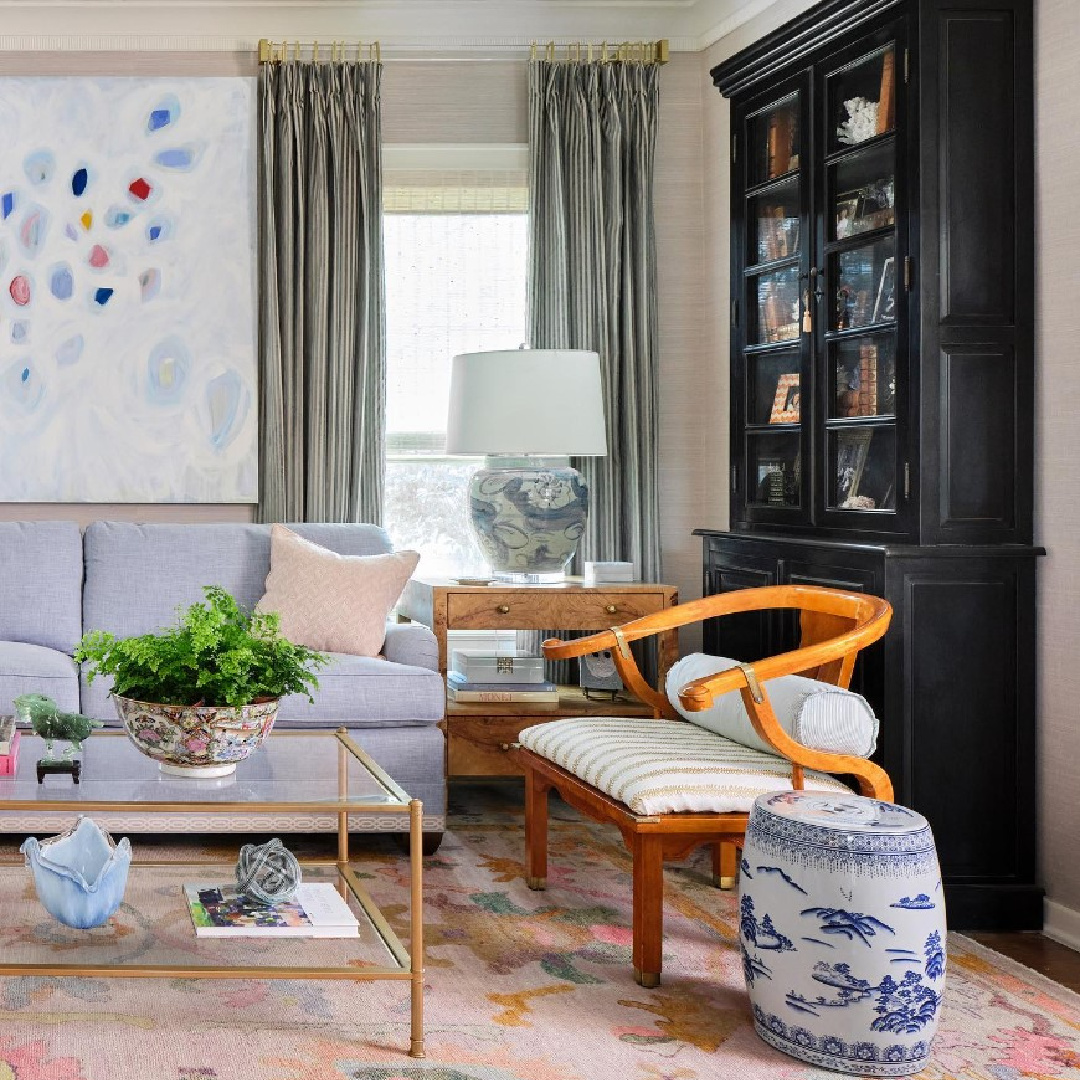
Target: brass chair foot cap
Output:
[
  {"x": 537, "y": 884},
  {"x": 648, "y": 979},
  {"x": 725, "y": 882}
]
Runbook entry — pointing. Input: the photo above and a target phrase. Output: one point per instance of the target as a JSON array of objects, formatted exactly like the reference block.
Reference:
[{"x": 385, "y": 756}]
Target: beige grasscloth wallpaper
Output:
[{"x": 487, "y": 103}]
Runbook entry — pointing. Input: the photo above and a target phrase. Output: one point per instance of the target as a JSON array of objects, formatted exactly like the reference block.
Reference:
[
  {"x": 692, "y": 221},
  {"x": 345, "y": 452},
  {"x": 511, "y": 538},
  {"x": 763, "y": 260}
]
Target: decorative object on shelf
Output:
[
  {"x": 51, "y": 724},
  {"x": 778, "y": 233},
  {"x": 885, "y": 302},
  {"x": 785, "y": 407},
  {"x": 781, "y": 143},
  {"x": 9, "y": 746},
  {"x": 79, "y": 875},
  {"x": 135, "y": 199},
  {"x": 847, "y": 212},
  {"x": 609, "y": 573},
  {"x": 852, "y": 449},
  {"x": 528, "y": 410},
  {"x": 203, "y": 695},
  {"x": 861, "y": 122},
  {"x": 268, "y": 873},
  {"x": 842, "y": 927},
  {"x": 885, "y": 95},
  {"x": 597, "y": 671}
]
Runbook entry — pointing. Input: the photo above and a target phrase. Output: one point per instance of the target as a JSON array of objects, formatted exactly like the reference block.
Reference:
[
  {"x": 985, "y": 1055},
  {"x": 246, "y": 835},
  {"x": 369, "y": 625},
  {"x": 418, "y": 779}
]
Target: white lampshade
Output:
[{"x": 546, "y": 402}]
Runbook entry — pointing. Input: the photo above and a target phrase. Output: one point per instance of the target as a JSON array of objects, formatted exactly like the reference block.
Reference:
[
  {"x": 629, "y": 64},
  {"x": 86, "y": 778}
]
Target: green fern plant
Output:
[{"x": 218, "y": 654}]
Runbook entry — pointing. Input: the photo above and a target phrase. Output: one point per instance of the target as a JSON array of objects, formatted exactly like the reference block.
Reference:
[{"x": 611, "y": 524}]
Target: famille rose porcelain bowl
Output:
[
  {"x": 842, "y": 925},
  {"x": 197, "y": 741}
]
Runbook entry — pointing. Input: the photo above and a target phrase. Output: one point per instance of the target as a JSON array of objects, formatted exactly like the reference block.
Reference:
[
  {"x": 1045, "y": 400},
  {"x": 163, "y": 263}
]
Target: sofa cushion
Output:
[
  {"x": 332, "y": 602},
  {"x": 138, "y": 575},
  {"x": 369, "y": 691},
  {"x": 35, "y": 669},
  {"x": 41, "y": 576},
  {"x": 815, "y": 714},
  {"x": 666, "y": 766},
  {"x": 355, "y": 691}
]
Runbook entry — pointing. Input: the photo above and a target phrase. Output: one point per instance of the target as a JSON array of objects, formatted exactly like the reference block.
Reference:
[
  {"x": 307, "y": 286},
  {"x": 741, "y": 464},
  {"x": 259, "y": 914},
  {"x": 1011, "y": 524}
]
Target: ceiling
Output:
[{"x": 423, "y": 26}]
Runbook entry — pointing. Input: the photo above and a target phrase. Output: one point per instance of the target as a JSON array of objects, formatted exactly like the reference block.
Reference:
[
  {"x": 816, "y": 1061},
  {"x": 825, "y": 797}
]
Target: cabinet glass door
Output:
[
  {"x": 775, "y": 343},
  {"x": 860, "y": 355}
]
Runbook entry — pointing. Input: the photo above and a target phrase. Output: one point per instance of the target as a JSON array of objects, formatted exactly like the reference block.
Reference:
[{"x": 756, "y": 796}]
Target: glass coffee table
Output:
[{"x": 152, "y": 935}]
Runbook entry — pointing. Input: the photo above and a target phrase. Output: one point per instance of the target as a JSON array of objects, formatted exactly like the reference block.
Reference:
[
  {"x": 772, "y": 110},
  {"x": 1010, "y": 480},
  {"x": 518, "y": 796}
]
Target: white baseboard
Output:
[{"x": 1061, "y": 923}]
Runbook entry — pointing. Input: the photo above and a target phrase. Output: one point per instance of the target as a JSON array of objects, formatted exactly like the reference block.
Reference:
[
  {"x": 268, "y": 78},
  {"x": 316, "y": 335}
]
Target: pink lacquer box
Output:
[{"x": 9, "y": 761}]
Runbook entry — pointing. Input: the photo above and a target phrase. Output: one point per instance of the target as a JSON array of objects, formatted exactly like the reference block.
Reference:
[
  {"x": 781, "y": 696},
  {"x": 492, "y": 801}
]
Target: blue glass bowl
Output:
[{"x": 79, "y": 875}]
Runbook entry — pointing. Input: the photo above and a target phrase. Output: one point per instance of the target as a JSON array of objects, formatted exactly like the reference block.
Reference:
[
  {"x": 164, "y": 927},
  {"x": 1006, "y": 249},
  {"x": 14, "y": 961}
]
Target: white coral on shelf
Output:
[{"x": 861, "y": 123}]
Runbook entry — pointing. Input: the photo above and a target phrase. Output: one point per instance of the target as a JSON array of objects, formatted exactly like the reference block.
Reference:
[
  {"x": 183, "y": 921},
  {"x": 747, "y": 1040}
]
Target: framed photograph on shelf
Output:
[
  {"x": 885, "y": 302},
  {"x": 847, "y": 213},
  {"x": 852, "y": 449},
  {"x": 785, "y": 407}
]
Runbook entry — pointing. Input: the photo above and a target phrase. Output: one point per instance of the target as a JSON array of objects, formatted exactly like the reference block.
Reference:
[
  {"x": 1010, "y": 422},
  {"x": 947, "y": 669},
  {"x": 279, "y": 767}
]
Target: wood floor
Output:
[{"x": 1057, "y": 962}]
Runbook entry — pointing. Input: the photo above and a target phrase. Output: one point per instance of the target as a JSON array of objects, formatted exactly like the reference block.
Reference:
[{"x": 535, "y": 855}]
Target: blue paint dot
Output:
[
  {"x": 19, "y": 332},
  {"x": 7, "y": 203},
  {"x": 102, "y": 296},
  {"x": 116, "y": 217},
  {"x": 154, "y": 231},
  {"x": 78, "y": 182},
  {"x": 159, "y": 118},
  {"x": 177, "y": 157},
  {"x": 25, "y": 376},
  {"x": 61, "y": 282}
]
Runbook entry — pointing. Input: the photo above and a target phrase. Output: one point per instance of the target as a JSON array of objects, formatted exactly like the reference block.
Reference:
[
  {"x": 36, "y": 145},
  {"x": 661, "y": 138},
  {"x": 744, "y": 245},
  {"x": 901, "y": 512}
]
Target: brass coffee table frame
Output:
[{"x": 408, "y": 963}]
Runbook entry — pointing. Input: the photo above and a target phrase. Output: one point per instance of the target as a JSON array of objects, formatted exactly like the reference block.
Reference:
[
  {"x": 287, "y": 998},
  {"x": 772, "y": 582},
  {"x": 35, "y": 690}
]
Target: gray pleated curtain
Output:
[
  {"x": 592, "y": 280},
  {"x": 321, "y": 310},
  {"x": 592, "y": 277}
]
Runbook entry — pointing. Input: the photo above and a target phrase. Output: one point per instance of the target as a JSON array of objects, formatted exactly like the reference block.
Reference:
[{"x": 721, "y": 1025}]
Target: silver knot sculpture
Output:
[{"x": 268, "y": 873}]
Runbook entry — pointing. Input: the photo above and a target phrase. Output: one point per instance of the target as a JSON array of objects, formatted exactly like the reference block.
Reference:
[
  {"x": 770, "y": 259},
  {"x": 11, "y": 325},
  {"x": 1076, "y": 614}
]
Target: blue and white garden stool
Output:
[{"x": 842, "y": 925}]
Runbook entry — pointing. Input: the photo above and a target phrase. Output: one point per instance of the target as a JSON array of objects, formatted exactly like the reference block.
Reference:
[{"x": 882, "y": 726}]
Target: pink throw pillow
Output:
[{"x": 331, "y": 602}]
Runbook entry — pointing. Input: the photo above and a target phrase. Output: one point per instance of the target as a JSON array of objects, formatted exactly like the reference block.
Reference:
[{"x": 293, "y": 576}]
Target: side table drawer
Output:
[
  {"x": 474, "y": 745},
  {"x": 586, "y": 611}
]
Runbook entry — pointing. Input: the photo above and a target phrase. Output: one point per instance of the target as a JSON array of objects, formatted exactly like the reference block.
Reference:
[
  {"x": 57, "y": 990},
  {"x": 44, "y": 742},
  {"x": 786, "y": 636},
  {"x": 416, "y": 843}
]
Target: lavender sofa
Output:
[{"x": 56, "y": 582}]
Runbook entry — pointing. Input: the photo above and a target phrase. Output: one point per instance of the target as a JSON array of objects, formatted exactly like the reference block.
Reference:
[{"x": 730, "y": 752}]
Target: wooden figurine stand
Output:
[{"x": 50, "y": 768}]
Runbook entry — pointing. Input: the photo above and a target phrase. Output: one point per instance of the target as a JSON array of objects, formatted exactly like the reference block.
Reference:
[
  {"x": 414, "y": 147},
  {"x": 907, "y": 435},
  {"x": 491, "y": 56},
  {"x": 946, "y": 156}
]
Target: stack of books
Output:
[
  {"x": 318, "y": 910},
  {"x": 9, "y": 746},
  {"x": 868, "y": 392},
  {"x": 479, "y": 677}
]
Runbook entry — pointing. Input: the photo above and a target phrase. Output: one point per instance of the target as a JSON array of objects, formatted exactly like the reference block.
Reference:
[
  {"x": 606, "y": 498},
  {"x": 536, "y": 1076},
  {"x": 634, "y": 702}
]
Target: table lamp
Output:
[{"x": 528, "y": 411}]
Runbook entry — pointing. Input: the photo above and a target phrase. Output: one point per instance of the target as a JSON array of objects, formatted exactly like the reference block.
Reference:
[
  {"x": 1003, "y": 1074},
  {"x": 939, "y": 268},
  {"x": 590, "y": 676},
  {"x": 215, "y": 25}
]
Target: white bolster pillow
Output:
[{"x": 816, "y": 714}]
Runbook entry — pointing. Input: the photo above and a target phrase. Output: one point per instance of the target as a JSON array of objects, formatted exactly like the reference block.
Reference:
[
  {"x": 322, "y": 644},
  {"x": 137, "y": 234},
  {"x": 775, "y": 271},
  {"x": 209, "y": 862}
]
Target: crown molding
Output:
[{"x": 424, "y": 28}]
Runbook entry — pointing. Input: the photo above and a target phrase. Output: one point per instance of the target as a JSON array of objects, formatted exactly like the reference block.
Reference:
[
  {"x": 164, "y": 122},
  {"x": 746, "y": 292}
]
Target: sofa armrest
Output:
[{"x": 411, "y": 643}]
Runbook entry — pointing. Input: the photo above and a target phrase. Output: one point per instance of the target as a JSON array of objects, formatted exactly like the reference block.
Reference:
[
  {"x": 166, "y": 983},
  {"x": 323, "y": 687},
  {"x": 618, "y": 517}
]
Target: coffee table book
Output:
[{"x": 218, "y": 910}]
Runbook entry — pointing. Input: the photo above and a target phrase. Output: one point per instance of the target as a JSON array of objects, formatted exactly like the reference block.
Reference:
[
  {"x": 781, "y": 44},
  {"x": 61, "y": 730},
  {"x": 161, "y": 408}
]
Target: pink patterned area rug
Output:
[{"x": 520, "y": 986}]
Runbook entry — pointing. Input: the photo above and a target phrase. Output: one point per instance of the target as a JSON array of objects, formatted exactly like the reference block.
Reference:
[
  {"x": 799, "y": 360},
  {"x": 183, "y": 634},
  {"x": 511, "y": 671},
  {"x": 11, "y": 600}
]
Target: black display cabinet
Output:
[{"x": 882, "y": 365}]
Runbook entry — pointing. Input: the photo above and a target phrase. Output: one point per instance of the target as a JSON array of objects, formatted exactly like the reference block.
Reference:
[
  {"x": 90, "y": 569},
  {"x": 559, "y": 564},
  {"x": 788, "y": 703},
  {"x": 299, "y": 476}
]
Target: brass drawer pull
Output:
[
  {"x": 503, "y": 609},
  {"x": 611, "y": 609}
]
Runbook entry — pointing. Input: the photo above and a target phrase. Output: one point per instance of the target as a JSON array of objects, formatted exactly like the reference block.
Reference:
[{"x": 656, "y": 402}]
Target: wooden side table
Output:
[{"x": 477, "y": 736}]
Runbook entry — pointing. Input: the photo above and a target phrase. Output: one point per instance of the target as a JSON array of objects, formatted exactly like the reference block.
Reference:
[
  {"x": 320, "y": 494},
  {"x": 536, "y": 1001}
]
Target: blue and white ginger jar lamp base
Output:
[{"x": 842, "y": 926}]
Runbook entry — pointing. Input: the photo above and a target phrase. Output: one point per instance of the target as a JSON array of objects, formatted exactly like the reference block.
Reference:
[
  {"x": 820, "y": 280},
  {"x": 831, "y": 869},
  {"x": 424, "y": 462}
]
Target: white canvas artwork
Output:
[{"x": 127, "y": 290}]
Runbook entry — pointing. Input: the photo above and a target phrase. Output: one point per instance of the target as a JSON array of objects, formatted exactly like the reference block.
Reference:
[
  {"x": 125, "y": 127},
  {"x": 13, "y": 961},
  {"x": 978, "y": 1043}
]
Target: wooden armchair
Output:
[{"x": 834, "y": 627}]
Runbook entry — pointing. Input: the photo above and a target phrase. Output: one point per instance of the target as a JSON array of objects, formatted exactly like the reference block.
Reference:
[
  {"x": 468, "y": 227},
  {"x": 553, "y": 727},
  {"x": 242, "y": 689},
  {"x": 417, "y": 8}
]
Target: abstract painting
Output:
[{"x": 127, "y": 290}]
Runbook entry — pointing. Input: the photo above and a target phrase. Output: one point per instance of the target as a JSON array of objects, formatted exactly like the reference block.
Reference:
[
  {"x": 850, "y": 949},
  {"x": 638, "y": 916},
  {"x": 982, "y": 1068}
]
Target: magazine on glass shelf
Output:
[{"x": 318, "y": 910}]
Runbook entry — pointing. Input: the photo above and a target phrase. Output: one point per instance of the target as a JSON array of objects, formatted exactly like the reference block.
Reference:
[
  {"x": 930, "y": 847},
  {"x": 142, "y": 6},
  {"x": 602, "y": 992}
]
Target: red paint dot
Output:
[
  {"x": 99, "y": 257},
  {"x": 20, "y": 289},
  {"x": 140, "y": 189}
]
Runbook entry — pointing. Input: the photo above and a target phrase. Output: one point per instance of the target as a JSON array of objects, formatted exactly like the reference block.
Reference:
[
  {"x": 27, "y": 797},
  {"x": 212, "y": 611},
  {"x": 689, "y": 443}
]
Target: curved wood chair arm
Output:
[{"x": 835, "y": 625}]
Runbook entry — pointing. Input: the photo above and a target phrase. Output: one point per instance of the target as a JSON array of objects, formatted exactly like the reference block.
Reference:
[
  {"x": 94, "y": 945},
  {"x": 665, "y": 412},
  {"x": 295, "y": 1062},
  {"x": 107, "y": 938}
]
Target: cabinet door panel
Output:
[
  {"x": 748, "y": 635},
  {"x": 867, "y": 679}
]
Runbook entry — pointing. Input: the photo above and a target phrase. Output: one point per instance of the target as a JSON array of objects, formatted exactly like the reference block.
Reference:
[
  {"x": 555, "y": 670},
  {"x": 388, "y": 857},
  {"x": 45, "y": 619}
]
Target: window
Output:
[{"x": 455, "y": 262}]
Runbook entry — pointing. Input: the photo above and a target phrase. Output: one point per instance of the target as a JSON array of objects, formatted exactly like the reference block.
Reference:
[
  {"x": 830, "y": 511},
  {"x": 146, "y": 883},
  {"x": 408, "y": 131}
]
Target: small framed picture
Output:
[
  {"x": 851, "y": 453},
  {"x": 847, "y": 212},
  {"x": 785, "y": 406},
  {"x": 885, "y": 302}
]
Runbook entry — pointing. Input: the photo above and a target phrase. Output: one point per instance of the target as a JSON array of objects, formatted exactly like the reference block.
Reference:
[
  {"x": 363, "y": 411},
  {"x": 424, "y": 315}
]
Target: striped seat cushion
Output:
[{"x": 666, "y": 766}]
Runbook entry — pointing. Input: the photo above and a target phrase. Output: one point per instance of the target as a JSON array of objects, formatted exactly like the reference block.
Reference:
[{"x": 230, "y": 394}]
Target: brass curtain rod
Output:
[
  {"x": 606, "y": 52},
  {"x": 274, "y": 52},
  {"x": 576, "y": 52}
]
